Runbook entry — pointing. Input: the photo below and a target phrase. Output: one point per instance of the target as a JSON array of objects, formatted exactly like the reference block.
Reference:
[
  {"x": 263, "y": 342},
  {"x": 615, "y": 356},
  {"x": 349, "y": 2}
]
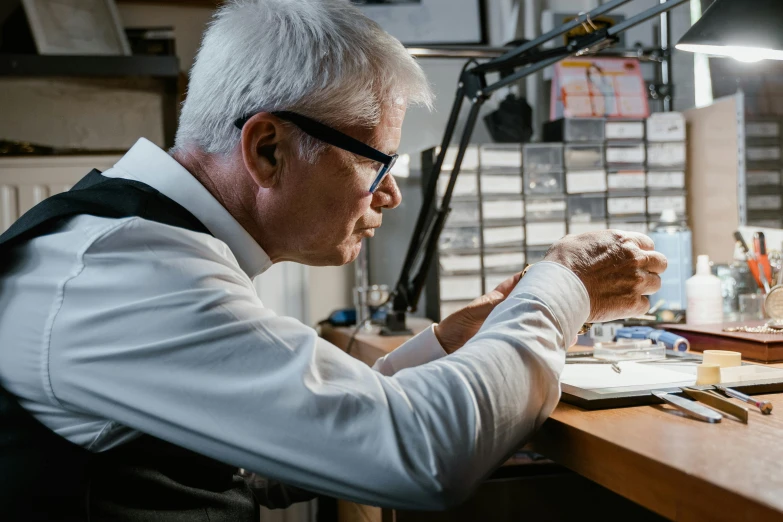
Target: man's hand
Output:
[
  {"x": 619, "y": 269},
  {"x": 455, "y": 330}
]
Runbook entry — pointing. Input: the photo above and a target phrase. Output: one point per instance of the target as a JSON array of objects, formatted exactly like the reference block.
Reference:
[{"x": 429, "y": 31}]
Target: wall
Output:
[{"x": 188, "y": 22}]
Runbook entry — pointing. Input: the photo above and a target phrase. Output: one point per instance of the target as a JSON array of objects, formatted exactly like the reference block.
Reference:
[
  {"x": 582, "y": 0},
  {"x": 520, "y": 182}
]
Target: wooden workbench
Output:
[{"x": 678, "y": 467}]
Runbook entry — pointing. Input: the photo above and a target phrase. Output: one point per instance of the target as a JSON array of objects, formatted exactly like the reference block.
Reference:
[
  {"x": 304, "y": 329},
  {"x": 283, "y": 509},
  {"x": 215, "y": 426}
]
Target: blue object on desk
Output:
[
  {"x": 343, "y": 317},
  {"x": 668, "y": 339},
  {"x": 347, "y": 316}
]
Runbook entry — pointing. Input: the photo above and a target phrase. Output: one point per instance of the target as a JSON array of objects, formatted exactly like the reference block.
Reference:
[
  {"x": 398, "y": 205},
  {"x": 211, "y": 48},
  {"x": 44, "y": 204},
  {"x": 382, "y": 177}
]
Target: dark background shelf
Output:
[
  {"x": 32, "y": 65},
  {"x": 165, "y": 68}
]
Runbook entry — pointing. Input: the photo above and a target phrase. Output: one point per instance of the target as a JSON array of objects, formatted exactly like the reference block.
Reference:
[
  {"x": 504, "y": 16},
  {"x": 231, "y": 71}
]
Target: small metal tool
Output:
[
  {"x": 764, "y": 407},
  {"x": 718, "y": 402},
  {"x": 691, "y": 408}
]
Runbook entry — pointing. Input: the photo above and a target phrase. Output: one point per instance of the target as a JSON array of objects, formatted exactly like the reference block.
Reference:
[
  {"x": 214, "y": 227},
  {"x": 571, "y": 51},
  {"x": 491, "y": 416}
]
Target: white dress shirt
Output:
[{"x": 114, "y": 327}]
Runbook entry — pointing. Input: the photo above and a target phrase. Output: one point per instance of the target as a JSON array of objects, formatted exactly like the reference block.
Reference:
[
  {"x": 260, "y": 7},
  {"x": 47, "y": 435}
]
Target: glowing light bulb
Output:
[{"x": 743, "y": 54}]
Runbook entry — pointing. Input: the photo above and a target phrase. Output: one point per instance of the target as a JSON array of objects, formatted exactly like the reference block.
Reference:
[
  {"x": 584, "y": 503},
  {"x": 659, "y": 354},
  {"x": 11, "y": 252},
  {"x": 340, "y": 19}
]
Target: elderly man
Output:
[{"x": 139, "y": 369}]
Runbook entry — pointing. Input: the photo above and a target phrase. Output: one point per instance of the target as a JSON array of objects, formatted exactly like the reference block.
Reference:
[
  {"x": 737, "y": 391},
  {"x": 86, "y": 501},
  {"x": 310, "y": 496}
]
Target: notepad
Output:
[{"x": 598, "y": 376}]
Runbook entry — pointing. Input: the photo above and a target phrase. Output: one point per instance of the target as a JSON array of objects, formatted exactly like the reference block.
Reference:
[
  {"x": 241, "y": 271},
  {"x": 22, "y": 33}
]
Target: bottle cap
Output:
[{"x": 703, "y": 265}]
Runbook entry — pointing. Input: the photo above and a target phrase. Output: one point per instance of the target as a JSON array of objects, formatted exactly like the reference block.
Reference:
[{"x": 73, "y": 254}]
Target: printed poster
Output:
[{"x": 598, "y": 88}]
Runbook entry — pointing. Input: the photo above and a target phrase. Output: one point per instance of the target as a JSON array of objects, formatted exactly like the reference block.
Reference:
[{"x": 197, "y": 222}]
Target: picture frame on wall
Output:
[
  {"x": 76, "y": 27},
  {"x": 430, "y": 22}
]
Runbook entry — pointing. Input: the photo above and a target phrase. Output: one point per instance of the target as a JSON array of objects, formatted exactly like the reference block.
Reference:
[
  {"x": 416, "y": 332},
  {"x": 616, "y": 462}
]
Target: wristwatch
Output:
[{"x": 585, "y": 327}]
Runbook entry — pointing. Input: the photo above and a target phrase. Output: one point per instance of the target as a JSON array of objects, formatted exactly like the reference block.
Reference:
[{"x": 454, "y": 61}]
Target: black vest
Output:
[{"x": 45, "y": 477}]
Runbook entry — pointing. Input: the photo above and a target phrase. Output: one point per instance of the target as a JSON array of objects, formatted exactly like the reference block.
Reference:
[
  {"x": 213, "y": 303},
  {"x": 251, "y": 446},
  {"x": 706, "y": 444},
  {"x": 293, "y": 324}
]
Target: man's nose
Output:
[{"x": 387, "y": 195}]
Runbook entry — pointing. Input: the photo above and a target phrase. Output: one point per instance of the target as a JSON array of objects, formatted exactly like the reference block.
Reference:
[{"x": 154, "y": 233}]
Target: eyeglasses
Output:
[{"x": 336, "y": 138}]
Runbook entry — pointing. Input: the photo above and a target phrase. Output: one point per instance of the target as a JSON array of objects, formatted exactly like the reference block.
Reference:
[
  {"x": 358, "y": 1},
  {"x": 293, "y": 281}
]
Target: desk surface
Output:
[{"x": 678, "y": 467}]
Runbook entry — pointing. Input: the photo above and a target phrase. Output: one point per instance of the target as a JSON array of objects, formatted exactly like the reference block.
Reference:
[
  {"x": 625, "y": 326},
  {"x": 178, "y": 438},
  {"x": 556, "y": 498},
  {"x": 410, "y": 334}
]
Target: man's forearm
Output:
[{"x": 506, "y": 379}]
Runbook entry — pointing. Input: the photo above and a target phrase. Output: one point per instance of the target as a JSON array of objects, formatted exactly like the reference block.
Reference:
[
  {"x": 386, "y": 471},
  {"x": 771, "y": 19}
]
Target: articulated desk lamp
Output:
[{"x": 748, "y": 30}]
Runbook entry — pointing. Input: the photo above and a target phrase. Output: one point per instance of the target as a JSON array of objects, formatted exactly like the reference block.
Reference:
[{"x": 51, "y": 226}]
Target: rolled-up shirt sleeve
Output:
[
  {"x": 162, "y": 333},
  {"x": 420, "y": 349}
]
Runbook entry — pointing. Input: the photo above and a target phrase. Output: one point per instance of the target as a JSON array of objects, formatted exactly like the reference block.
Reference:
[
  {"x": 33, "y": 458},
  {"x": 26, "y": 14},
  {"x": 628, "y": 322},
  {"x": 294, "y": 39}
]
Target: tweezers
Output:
[
  {"x": 690, "y": 408},
  {"x": 714, "y": 400}
]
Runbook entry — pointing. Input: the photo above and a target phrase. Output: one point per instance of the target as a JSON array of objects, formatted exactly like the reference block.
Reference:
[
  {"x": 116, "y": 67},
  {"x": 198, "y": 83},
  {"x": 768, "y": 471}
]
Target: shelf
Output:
[
  {"x": 80, "y": 66},
  {"x": 178, "y": 3},
  {"x": 165, "y": 68}
]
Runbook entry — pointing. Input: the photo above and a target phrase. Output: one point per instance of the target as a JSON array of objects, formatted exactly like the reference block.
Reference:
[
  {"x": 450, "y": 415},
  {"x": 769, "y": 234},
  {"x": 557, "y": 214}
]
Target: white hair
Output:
[{"x": 321, "y": 58}]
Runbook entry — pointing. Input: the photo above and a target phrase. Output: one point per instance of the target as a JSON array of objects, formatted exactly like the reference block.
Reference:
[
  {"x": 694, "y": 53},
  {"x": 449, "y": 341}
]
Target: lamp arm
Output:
[
  {"x": 472, "y": 84},
  {"x": 429, "y": 244},
  {"x": 551, "y": 35},
  {"x": 426, "y": 215}
]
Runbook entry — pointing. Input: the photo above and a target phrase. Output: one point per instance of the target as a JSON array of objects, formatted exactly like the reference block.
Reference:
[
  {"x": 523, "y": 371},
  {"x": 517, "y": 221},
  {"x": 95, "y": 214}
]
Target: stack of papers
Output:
[{"x": 650, "y": 375}]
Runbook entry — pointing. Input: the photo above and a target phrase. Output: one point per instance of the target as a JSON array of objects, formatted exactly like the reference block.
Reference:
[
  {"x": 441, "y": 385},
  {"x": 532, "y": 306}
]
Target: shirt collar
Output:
[{"x": 149, "y": 164}]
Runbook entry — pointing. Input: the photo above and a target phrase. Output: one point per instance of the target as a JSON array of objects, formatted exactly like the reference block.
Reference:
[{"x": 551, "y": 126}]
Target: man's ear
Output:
[{"x": 261, "y": 151}]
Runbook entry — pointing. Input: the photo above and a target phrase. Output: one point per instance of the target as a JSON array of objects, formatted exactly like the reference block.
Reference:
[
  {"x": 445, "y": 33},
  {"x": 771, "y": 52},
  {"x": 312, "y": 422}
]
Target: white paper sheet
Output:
[
  {"x": 749, "y": 373},
  {"x": 596, "y": 376}
]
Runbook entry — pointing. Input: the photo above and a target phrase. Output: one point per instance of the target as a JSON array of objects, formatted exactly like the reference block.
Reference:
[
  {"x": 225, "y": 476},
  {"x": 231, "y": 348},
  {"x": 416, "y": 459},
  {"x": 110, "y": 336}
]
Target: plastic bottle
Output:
[
  {"x": 673, "y": 239},
  {"x": 705, "y": 299}
]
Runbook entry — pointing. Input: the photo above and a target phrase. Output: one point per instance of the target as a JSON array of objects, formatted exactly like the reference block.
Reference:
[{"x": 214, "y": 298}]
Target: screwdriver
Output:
[
  {"x": 753, "y": 264},
  {"x": 765, "y": 270},
  {"x": 764, "y": 406}
]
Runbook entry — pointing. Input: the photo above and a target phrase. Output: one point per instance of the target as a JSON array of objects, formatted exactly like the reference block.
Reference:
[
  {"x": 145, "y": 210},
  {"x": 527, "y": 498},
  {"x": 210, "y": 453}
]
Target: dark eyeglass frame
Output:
[{"x": 336, "y": 138}]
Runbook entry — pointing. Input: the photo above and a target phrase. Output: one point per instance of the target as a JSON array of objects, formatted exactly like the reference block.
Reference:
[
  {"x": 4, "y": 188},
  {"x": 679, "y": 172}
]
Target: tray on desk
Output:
[
  {"x": 592, "y": 397},
  {"x": 766, "y": 348}
]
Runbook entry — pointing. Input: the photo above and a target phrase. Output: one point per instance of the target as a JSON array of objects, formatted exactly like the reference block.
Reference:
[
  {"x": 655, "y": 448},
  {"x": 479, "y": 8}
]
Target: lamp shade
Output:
[{"x": 748, "y": 30}]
